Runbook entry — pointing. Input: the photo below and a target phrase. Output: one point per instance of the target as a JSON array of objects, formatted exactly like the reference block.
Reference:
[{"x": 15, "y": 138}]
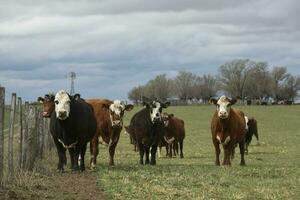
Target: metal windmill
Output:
[{"x": 72, "y": 77}]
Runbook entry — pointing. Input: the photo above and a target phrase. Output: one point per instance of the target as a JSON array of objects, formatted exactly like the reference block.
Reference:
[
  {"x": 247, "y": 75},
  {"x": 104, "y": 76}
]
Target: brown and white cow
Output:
[
  {"x": 109, "y": 116},
  {"x": 174, "y": 134},
  {"x": 228, "y": 128}
]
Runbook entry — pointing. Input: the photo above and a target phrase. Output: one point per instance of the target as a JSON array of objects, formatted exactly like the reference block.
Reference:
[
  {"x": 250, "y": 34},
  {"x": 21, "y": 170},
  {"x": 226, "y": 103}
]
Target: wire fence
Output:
[{"x": 24, "y": 137}]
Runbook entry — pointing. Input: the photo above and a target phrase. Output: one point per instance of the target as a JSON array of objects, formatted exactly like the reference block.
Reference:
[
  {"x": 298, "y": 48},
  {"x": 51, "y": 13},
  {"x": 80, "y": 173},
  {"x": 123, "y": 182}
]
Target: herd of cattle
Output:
[{"x": 75, "y": 121}]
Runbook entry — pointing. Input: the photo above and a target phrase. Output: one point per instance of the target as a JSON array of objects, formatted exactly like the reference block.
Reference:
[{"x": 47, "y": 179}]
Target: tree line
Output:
[{"x": 242, "y": 78}]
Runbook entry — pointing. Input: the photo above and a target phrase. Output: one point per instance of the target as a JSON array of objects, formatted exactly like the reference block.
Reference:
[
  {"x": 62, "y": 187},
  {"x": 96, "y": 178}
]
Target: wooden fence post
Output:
[
  {"x": 11, "y": 137},
  {"x": 31, "y": 141},
  {"x": 2, "y": 110},
  {"x": 20, "y": 118},
  {"x": 25, "y": 135},
  {"x": 42, "y": 135}
]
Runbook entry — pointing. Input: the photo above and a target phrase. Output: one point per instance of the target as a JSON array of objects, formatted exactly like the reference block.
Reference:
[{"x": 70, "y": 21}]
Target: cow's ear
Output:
[
  {"x": 129, "y": 107},
  {"x": 166, "y": 104},
  {"x": 40, "y": 99},
  {"x": 146, "y": 104},
  {"x": 51, "y": 97},
  {"x": 105, "y": 106},
  {"x": 232, "y": 101},
  {"x": 171, "y": 115},
  {"x": 76, "y": 97},
  {"x": 213, "y": 101}
]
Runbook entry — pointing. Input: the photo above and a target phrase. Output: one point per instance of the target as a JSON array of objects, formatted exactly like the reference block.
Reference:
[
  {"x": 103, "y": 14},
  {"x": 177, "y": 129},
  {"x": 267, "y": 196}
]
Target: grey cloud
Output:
[{"x": 115, "y": 45}]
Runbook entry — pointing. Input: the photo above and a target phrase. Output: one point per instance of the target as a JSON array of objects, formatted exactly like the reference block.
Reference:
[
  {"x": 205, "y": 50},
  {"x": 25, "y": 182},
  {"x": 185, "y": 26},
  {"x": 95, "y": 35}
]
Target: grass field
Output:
[{"x": 272, "y": 171}]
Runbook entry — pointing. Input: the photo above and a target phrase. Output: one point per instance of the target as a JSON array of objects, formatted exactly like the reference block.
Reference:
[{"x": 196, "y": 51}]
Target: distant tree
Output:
[
  {"x": 278, "y": 75},
  {"x": 209, "y": 87},
  {"x": 205, "y": 87},
  {"x": 159, "y": 87},
  {"x": 135, "y": 94},
  {"x": 184, "y": 82},
  {"x": 233, "y": 76},
  {"x": 291, "y": 86},
  {"x": 259, "y": 81}
]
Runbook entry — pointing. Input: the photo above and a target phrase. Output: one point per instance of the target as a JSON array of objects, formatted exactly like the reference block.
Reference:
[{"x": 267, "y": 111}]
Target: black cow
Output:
[
  {"x": 251, "y": 130},
  {"x": 147, "y": 126},
  {"x": 72, "y": 126}
]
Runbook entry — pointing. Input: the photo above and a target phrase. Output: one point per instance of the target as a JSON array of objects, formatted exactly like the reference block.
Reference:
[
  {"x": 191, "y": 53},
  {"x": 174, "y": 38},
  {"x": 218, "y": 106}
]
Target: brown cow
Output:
[
  {"x": 48, "y": 104},
  {"x": 228, "y": 127},
  {"x": 174, "y": 134},
  {"x": 109, "y": 116}
]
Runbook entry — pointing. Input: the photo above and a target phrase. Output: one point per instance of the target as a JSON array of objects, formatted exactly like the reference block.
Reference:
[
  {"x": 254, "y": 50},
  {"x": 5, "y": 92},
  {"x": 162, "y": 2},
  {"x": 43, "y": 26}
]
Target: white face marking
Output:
[
  {"x": 62, "y": 105},
  {"x": 223, "y": 108},
  {"x": 117, "y": 107},
  {"x": 155, "y": 112}
]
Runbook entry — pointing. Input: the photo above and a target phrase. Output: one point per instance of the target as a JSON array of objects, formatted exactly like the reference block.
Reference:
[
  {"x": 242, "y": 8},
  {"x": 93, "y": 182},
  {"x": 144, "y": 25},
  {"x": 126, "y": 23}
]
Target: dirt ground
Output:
[{"x": 66, "y": 186}]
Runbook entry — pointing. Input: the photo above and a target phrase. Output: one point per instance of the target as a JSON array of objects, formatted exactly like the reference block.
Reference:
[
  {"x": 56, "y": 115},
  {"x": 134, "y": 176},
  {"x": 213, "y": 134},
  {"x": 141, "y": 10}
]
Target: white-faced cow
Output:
[
  {"x": 228, "y": 128},
  {"x": 147, "y": 127},
  {"x": 72, "y": 126},
  {"x": 109, "y": 116}
]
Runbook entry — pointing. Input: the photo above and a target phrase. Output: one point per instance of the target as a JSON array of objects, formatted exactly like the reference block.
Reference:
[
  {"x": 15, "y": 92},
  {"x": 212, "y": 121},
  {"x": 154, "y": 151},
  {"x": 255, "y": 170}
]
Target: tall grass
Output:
[{"x": 272, "y": 171}]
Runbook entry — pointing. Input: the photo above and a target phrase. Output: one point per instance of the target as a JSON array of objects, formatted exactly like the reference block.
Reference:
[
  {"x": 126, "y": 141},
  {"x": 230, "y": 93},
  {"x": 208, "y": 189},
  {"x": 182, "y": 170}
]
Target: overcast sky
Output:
[{"x": 115, "y": 45}]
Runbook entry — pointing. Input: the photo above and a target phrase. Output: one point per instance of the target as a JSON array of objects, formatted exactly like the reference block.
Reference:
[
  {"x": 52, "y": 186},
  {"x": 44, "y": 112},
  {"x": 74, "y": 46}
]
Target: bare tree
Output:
[
  {"x": 291, "y": 86},
  {"x": 135, "y": 94},
  {"x": 184, "y": 82},
  {"x": 210, "y": 87},
  {"x": 259, "y": 81},
  {"x": 233, "y": 76},
  {"x": 278, "y": 74}
]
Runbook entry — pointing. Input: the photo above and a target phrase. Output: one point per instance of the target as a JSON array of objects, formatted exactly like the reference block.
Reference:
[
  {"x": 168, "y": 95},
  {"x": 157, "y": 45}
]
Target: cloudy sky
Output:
[{"x": 115, "y": 45}]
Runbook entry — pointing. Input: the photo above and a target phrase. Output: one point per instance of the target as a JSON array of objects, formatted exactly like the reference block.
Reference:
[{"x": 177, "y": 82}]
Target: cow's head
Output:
[
  {"x": 48, "y": 104},
  {"x": 62, "y": 105},
  {"x": 166, "y": 117},
  {"x": 155, "y": 108},
  {"x": 223, "y": 106},
  {"x": 116, "y": 112}
]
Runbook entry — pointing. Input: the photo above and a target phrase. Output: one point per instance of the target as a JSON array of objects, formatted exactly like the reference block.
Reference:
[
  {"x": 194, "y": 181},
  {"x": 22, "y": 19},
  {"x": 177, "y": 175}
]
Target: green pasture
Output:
[{"x": 272, "y": 170}]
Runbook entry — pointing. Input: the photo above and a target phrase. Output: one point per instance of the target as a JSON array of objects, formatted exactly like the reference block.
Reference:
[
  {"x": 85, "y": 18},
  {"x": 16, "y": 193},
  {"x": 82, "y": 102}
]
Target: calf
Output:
[
  {"x": 228, "y": 127},
  {"x": 48, "y": 104},
  {"x": 147, "y": 127},
  {"x": 109, "y": 116},
  {"x": 72, "y": 126},
  {"x": 251, "y": 130},
  {"x": 174, "y": 133}
]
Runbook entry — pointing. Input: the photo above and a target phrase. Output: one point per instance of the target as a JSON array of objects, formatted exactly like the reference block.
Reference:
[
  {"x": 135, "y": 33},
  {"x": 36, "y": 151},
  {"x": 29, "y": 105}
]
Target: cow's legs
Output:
[
  {"x": 94, "y": 148},
  {"x": 71, "y": 160},
  {"x": 217, "y": 151},
  {"x": 167, "y": 150},
  {"x": 61, "y": 152},
  {"x": 257, "y": 138},
  {"x": 73, "y": 155},
  {"x": 141, "y": 148},
  {"x": 170, "y": 150},
  {"x": 82, "y": 154},
  {"x": 227, "y": 154},
  {"x": 242, "y": 150},
  {"x": 159, "y": 152},
  {"x": 112, "y": 149},
  {"x": 153, "y": 154},
  {"x": 147, "y": 150},
  {"x": 181, "y": 148}
]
